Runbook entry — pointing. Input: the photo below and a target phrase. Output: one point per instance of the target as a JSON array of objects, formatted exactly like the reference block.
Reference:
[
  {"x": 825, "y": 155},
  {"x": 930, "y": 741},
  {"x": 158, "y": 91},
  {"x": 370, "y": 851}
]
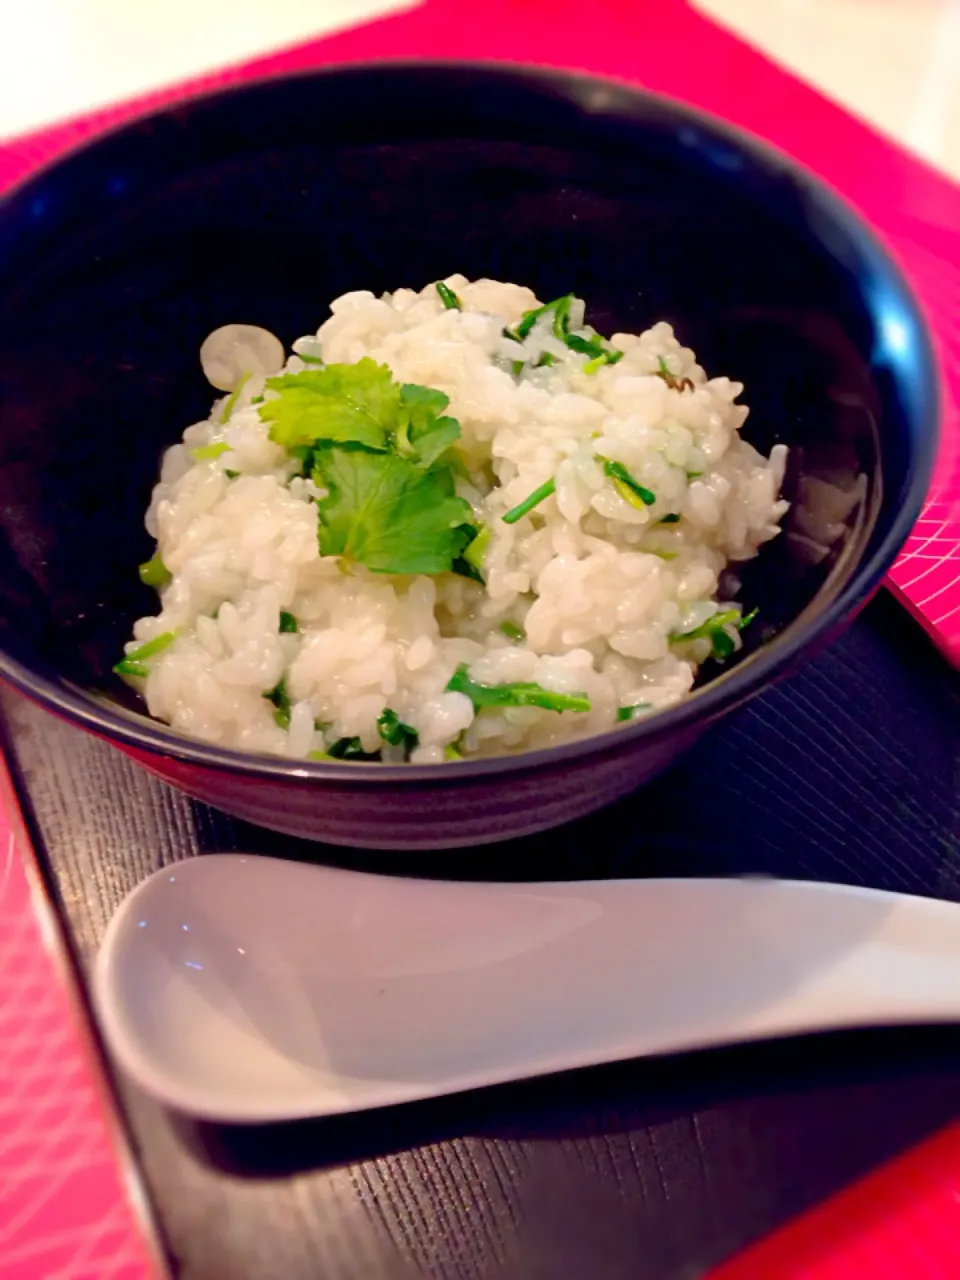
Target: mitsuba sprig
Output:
[{"x": 382, "y": 451}]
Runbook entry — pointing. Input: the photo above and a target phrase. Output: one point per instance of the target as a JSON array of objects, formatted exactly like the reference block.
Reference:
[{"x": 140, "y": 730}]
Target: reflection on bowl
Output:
[{"x": 119, "y": 260}]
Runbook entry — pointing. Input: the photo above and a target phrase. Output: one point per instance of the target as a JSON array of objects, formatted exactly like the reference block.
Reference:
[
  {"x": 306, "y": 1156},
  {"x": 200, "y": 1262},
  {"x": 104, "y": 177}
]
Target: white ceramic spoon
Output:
[{"x": 243, "y": 988}]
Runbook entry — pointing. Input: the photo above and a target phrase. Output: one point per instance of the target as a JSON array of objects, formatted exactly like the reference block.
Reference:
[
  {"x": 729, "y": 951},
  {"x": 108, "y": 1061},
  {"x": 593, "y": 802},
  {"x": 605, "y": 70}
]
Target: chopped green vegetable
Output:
[
  {"x": 128, "y": 668},
  {"x": 135, "y": 663},
  {"x": 231, "y": 404},
  {"x": 561, "y": 318},
  {"x": 518, "y": 512},
  {"x": 520, "y": 694},
  {"x": 715, "y": 630},
  {"x": 155, "y": 573},
  {"x": 627, "y": 713},
  {"x": 452, "y": 752},
  {"x": 547, "y": 358},
  {"x": 511, "y": 630},
  {"x": 351, "y": 749},
  {"x": 397, "y": 734},
  {"x": 338, "y": 404},
  {"x": 476, "y": 551},
  {"x": 663, "y": 555},
  {"x": 281, "y": 702},
  {"x": 288, "y": 623},
  {"x": 320, "y": 755},
  {"x": 258, "y": 400},
  {"x": 151, "y": 647},
  {"x": 608, "y": 357},
  {"x": 309, "y": 359},
  {"x": 204, "y": 452},
  {"x": 388, "y": 513},
  {"x": 629, "y": 489},
  {"x": 448, "y": 297},
  {"x": 517, "y": 367},
  {"x": 694, "y": 475},
  {"x": 595, "y": 348},
  {"x": 592, "y": 347},
  {"x": 464, "y": 569},
  {"x": 231, "y": 475},
  {"x": 673, "y": 518}
]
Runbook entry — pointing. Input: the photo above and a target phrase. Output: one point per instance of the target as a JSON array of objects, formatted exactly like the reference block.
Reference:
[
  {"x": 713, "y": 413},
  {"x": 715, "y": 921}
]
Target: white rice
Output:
[{"x": 598, "y": 586}]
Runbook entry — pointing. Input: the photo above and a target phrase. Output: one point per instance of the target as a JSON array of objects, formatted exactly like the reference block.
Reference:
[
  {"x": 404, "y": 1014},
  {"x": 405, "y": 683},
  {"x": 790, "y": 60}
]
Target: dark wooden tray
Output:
[{"x": 649, "y": 1170}]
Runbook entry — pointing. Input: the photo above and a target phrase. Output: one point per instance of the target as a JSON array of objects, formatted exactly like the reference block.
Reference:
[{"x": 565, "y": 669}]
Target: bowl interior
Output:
[{"x": 262, "y": 205}]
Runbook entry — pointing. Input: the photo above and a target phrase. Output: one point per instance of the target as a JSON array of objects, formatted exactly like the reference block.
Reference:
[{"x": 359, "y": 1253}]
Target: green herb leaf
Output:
[
  {"x": 511, "y": 630},
  {"x": 338, "y": 404},
  {"x": 397, "y": 734},
  {"x": 421, "y": 432},
  {"x": 673, "y": 518},
  {"x": 288, "y": 623},
  {"x": 629, "y": 489},
  {"x": 281, "y": 701},
  {"x": 231, "y": 404},
  {"x": 155, "y": 573},
  {"x": 231, "y": 475},
  {"x": 318, "y": 360},
  {"x": 539, "y": 495},
  {"x": 388, "y": 513},
  {"x": 520, "y": 694},
  {"x": 351, "y": 749},
  {"x": 627, "y": 713},
  {"x": 452, "y": 752},
  {"x": 547, "y": 358},
  {"x": 448, "y": 297},
  {"x": 205, "y": 452},
  {"x": 517, "y": 367}
]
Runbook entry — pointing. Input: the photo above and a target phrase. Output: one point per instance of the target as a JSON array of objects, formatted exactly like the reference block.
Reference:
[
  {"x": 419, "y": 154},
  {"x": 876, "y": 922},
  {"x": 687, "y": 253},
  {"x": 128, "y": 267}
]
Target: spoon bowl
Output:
[{"x": 242, "y": 988}]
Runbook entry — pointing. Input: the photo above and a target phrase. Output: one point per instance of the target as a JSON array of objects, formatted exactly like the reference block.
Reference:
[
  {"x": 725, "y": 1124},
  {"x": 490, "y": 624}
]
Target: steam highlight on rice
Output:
[{"x": 452, "y": 523}]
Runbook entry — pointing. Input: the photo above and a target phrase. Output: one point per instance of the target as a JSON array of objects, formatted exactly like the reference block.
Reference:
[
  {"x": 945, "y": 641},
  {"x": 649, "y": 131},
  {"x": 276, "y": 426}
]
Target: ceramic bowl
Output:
[{"x": 263, "y": 203}]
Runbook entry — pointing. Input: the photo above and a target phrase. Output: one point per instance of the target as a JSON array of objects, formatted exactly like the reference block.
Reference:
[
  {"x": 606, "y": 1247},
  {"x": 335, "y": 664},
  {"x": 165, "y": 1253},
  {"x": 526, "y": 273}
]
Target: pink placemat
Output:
[
  {"x": 69, "y": 1205},
  {"x": 66, "y": 1211}
]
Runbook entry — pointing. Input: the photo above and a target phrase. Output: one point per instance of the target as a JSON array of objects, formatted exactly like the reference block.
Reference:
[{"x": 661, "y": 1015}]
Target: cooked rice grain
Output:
[{"x": 599, "y": 587}]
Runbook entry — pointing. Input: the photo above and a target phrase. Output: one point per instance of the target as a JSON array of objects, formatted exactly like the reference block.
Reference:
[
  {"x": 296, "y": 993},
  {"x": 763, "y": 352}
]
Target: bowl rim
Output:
[{"x": 144, "y": 736}]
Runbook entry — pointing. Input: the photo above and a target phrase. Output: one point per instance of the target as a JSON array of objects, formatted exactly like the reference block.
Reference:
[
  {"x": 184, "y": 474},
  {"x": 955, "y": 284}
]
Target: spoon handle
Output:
[{"x": 247, "y": 988}]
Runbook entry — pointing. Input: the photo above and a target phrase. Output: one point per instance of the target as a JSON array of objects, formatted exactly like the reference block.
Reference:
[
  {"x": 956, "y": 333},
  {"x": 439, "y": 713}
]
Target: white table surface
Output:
[{"x": 895, "y": 62}]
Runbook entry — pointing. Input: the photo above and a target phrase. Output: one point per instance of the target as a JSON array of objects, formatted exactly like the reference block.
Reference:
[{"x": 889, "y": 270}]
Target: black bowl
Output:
[{"x": 262, "y": 204}]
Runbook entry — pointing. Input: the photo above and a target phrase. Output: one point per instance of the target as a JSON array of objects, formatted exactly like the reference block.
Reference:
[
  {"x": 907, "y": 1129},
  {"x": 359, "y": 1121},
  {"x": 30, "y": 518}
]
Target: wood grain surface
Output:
[{"x": 649, "y": 1170}]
